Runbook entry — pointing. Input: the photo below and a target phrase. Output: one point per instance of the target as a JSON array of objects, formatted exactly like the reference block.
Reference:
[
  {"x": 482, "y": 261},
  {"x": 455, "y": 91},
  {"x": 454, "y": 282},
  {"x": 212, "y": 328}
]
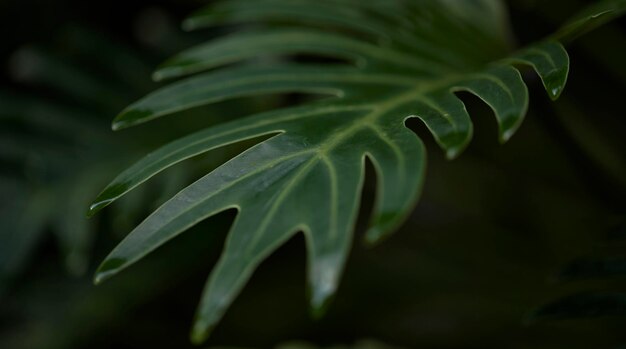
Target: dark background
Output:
[{"x": 492, "y": 240}]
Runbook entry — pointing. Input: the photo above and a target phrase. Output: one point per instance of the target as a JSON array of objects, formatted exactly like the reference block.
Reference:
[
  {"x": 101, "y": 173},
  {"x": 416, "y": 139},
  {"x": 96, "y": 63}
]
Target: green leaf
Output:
[{"x": 404, "y": 60}]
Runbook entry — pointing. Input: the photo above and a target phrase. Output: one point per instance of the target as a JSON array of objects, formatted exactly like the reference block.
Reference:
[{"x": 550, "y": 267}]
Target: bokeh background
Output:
[{"x": 520, "y": 245}]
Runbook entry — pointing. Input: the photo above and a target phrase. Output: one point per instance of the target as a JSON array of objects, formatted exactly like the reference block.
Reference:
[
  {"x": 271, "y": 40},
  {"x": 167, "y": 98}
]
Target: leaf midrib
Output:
[{"x": 326, "y": 147}]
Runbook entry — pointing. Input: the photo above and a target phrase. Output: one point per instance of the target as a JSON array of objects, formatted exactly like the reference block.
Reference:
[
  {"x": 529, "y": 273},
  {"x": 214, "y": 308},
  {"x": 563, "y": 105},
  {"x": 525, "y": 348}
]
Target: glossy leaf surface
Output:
[{"x": 405, "y": 60}]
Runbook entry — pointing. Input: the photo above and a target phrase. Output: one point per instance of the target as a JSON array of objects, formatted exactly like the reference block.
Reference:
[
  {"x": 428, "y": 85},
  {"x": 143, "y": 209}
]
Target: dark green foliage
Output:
[
  {"x": 496, "y": 232},
  {"x": 403, "y": 60},
  {"x": 591, "y": 304}
]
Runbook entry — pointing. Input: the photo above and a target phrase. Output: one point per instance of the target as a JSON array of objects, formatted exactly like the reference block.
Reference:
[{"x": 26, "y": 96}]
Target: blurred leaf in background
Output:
[{"x": 58, "y": 150}]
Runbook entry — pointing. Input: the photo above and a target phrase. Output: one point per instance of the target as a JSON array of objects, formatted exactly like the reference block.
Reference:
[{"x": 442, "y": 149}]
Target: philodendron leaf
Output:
[{"x": 405, "y": 59}]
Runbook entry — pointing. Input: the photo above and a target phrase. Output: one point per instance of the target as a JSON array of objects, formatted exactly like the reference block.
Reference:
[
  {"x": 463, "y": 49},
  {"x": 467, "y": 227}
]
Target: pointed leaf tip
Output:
[
  {"x": 188, "y": 25},
  {"x": 108, "y": 195},
  {"x": 108, "y": 268},
  {"x": 550, "y": 61},
  {"x": 506, "y": 135},
  {"x": 157, "y": 76},
  {"x": 318, "y": 305},
  {"x": 453, "y": 153},
  {"x": 167, "y": 72},
  {"x": 554, "y": 82},
  {"x": 200, "y": 333},
  {"x": 555, "y": 92},
  {"x": 373, "y": 237},
  {"x": 381, "y": 227},
  {"x": 96, "y": 207},
  {"x": 131, "y": 117},
  {"x": 323, "y": 281}
]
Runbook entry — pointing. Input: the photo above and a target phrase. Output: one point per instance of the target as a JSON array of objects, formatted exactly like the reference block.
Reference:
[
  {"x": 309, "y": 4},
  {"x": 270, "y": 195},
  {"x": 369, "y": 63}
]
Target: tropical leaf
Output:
[{"x": 397, "y": 60}]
